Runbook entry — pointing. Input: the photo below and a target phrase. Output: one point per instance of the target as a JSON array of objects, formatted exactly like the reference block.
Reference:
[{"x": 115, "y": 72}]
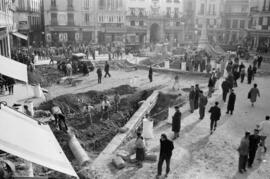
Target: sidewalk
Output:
[{"x": 200, "y": 155}]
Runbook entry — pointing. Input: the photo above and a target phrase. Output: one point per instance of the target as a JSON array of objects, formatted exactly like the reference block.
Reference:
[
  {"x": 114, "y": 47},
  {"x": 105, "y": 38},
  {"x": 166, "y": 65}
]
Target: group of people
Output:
[
  {"x": 106, "y": 70},
  {"x": 7, "y": 84},
  {"x": 253, "y": 146}
]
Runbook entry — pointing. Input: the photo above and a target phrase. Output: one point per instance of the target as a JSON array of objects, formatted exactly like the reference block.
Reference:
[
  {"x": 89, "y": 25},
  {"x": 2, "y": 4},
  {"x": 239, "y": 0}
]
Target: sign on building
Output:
[{"x": 63, "y": 37}]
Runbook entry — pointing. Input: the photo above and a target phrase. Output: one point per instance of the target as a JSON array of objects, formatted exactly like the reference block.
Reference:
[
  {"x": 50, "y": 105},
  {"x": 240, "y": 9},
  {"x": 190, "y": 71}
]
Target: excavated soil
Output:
[{"x": 45, "y": 75}]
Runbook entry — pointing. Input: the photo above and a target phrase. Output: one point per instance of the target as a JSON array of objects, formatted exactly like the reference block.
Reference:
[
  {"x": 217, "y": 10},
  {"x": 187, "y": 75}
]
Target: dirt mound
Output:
[
  {"x": 160, "y": 111},
  {"x": 154, "y": 60},
  {"x": 74, "y": 103},
  {"x": 45, "y": 75}
]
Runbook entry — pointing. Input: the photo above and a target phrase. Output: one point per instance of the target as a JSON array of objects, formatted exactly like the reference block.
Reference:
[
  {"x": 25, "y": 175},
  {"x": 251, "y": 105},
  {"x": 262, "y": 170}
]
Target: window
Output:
[
  {"x": 242, "y": 24},
  {"x": 177, "y": 24},
  {"x": 176, "y": 12},
  {"x": 228, "y": 24},
  {"x": 235, "y": 24},
  {"x": 54, "y": 18},
  {"x": 260, "y": 20},
  {"x": 132, "y": 23},
  {"x": 141, "y": 23},
  {"x": 102, "y": 4},
  {"x": 132, "y": 11},
  {"x": 53, "y": 3},
  {"x": 176, "y": 1},
  {"x": 141, "y": 12},
  {"x": 70, "y": 19},
  {"x": 86, "y": 18},
  {"x": 86, "y": 4},
  {"x": 21, "y": 5},
  {"x": 70, "y": 3},
  {"x": 168, "y": 11},
  {"x": 169, "y": 0},
  {"x": 202, "y": 9}
]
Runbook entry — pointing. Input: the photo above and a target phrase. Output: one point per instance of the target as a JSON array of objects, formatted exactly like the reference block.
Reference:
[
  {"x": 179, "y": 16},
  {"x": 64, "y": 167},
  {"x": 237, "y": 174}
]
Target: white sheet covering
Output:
[
  {"x": 13, "y": 69},
  {"x": 23, "y": 137}
]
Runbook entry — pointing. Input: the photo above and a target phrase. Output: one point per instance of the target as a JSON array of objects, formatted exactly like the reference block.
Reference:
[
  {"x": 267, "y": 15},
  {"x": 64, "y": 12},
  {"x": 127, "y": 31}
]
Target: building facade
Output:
[
  {"x": 259, "y": 31},
  {"x": 28, "y": 16},
  {"x": 209, "y": 12},
  {"x": 235, "y": 21},
  {"x": 69, "y": 21},
  {"x": 111, "y": 18},
  {"x": 155, "y": 21},
  {"x": 6, "y": 26}
]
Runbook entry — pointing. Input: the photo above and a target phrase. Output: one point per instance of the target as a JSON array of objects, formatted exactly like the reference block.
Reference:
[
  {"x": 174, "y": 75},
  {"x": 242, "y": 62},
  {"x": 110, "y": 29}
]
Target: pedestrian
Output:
[
  {"x": 215, "y": 116},
  {"x": 253, "y": 94},
  {"x": 99, "y": 74},
  {"x": 254, "y": 69},
  {"x": 243, "y": 150},
  {"x": 116, "y": 101},
  {"x": 254, "y": 141},
  {"x": 241, "y": 66},
  {"x": 107, "y": 69},
  {"x": 260, "y": 60},
  {"x": 211, "y": 84},
  {"x": 242, "y": 74},
  {"x": 202, "y": 103},
  {"x": 250, "y": 74},
  {"x": 225, "y": 89},
  {"x": 105, "y": 105},
  {"x": 176, "y": 122},
  {"x": 231, "y": 102},
  {"x": 191, "y": 99},
  {"x": 10, "y": 83},
  {"x": 140, "y": 149},
  {"x": 197, "y": 94},
  {"x": 62, "y": 122},
  {"x": 260, "y": 151},
  {"x": 264, "y": 128},
  {"x": 176, "y": 83},
  {"x": 166, "y": 148},
  {"x": 69, "y": 69},
  {"x": 150, "y": 74}
]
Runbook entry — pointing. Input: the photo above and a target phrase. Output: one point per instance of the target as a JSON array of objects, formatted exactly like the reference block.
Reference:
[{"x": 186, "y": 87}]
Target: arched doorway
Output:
[{"x": 155, "y": 33}]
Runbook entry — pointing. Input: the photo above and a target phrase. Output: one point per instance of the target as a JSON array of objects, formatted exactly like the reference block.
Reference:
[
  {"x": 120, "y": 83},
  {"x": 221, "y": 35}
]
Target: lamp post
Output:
[{"x": 7, "y": 28}]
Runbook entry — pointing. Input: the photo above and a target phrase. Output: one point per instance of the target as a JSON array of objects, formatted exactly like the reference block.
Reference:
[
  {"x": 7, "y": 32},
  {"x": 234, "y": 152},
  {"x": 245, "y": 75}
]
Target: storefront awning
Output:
[
  {"x": 13, "y": 69},
  {"x": 19, "y": 35},
  {"x": 22, "y": 136}
]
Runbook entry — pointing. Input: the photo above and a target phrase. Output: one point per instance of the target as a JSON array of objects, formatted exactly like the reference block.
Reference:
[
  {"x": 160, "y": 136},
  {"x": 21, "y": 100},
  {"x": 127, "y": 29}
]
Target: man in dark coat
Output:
[
  {"x": 150, "y": 74},
  {"x": 254, "y": 141},
  {"x": 176, "y": 122},
  {"x": 99, "y": 74},
  {"x": 191, "y": 99},
  {"x": 166, "y": 148},
  {"x": 202, "y": 103},
  {"x": 231, "y": 102},
  {"x": 250, "y": 74},
  {"x": 106, "y": 69},
  {"x": 243, "y": 150},
  {"x": 215, "y": 116},
  {"x": 241, "y": 66},
  {"x": 225, "y": 89},
  {"x": 260, "y": 59},
  {"x": 197, "y": 95}
]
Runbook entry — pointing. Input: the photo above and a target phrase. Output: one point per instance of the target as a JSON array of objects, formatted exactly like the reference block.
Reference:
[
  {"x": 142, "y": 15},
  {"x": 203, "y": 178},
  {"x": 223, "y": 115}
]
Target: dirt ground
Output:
[{"x": 132, "y": 85}]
